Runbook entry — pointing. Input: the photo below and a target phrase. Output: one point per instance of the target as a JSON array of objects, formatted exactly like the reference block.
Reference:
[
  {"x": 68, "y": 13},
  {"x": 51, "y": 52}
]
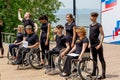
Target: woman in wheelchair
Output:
[
  {"x": 77, "y": 51},
  {"x": 31, "y": 42},
  {"x": 17, "y": 42},
  {"x": 61, "y": 43}
]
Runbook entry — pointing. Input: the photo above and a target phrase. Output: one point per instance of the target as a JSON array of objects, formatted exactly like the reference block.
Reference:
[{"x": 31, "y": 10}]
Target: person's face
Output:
[
  {"x": 42, "y": 21},
  {"x": 20, "y": 28},
  {"x": 28, "y": 30},
  {"x": 68, "y": 19},
  {"x": 59, "y": 30},
  {"x": 27, "y": 15},
  {"x": 92, "y": 18},
  {"x": 80, "y": 33}
]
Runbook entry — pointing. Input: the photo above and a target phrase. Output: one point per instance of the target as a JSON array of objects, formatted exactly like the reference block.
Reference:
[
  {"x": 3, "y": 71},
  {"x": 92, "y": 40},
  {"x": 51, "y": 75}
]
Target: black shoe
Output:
[
  {"x": 102, "y": 77},
  {"x": 64, "y": 75}
]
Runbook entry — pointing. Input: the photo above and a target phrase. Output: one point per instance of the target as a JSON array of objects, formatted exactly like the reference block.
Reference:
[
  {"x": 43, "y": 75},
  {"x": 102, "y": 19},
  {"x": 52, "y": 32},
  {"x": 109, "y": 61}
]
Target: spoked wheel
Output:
[
  {"x": 34, "y": 60},
  {"x": 61, "y": 62},
  {"x": 85, "y": 69}
]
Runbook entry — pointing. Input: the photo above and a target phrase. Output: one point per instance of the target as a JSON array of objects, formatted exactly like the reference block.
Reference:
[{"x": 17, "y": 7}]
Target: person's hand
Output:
[
  {"x": 62, "y": 55},
  {"x": 46, "y": 43},
  {"x": 80, "y": 58},
  {"x": 89, "y": 46},
  {"x": 98, "y": 46},
  {"x": 72, "y": 45},
  {"x": 19, "y": 10}
]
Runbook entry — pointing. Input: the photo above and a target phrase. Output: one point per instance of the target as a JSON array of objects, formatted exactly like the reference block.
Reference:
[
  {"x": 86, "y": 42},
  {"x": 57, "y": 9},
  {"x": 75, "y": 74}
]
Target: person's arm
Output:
[
  {"x": 34, "y": 46},
  {"x": 19, "y": 43},
  {"x": 73, "y": 49},
  {"x": 74, "y": 36},
  {"x": 48, "y": 34},
  {"x": 101, "y": 37},
  {"x": 19, "y": 15},
  {"x": 36, "y": 27},
  {"x": 66, "y": 49},
  {"x": 85, "y": 45}
]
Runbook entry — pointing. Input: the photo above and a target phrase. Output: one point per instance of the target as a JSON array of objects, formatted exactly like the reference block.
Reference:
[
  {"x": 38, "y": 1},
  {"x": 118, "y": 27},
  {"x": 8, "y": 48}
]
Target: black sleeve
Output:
[
  {"x": 85, "y": 40},
  {"x": 32, "y": 22},
  {"x": 73, "y": 24},
  {"x": 66, "y": 40},
  {"x": 36, "y": 38},
  {"x": 99, "y": 25}
]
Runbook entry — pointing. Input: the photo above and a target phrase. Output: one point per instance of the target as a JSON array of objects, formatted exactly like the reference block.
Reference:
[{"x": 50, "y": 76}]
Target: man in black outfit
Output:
[
  {"x": 33, "y": 42},
  {"x": 96, "y": 43},
  {"x": 1, "y": 45}
]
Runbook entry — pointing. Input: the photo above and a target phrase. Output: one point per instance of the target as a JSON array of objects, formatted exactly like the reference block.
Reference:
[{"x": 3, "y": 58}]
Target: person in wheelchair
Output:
[
  {"x": 61, "y": 43},
  {"x": 17, "y": 42},
  {"x": 77, "y": 51},
  {"x": 31, "y": 42}
]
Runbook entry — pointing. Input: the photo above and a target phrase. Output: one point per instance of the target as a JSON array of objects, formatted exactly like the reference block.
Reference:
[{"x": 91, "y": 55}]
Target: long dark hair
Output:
[{"x": 71, "y": 16}]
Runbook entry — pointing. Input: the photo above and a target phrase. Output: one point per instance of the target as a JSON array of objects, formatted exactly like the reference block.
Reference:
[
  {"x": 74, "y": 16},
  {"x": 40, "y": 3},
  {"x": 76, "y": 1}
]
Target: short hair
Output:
[
  {"x": 29, "y": 14},
  {"x": 94, "y": 14},
  {"x": 81, "y": 29},
  {"x": 43, "y": 17},
  {"x": 20, "y": 26},
  {"x": 59, "y": 26}
]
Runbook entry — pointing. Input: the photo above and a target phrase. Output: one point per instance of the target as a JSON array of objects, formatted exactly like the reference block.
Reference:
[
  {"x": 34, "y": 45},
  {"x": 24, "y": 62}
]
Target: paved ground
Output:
[{"x": 9, "y": 72}]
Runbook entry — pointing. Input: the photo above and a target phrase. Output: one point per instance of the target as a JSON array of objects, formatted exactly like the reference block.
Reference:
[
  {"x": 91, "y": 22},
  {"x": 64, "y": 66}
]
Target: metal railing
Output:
[{"x": 8, "y": 37}]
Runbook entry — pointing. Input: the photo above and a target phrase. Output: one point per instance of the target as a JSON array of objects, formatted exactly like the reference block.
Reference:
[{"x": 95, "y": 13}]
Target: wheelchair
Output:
[
  {"x": 58, "y": 61},
  {"x": 31, "y": 58},
  {"x": 84, "y": 68}
]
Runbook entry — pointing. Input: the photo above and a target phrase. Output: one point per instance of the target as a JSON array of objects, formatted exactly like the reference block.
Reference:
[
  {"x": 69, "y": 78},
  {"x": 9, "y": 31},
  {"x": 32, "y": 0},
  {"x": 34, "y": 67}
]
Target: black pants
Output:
[
  {"x": 67, "y": 66},
  {"x": 1, "y": 47},
  {"x": 21, "y": 54},
  {"x": 49, "y": 56},
  {"x": 44, "y": 47},
  {"x": 98, "y": 52}
]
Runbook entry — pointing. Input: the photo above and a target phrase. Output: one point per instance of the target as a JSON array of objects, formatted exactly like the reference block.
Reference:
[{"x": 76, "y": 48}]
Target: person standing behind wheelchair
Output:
[
  {"x": 78, "y": 50},
  {"x": 70, "y": 30},
  {"x": 44, "y": 36},
  {"x": 96, "y": 43},
  {"x": 61, "y": 43},
  {"x": 17, "y": 42},
  {"x": 33, "y": 42}
]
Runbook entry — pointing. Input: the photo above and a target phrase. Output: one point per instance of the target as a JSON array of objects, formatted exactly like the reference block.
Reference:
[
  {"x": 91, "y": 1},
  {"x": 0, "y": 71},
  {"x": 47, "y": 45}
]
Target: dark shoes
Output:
[
  {"x": 102, "y": 77},
  {"x": 64, "y": 74}
]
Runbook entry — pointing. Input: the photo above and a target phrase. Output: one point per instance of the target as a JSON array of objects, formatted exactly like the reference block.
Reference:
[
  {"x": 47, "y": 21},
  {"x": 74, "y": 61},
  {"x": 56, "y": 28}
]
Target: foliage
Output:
[{"x": 9, "y": 9}]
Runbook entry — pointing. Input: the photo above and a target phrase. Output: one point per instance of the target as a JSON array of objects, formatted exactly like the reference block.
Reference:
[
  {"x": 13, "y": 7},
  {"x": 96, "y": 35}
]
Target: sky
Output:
[{"x": 81, "y": 4}]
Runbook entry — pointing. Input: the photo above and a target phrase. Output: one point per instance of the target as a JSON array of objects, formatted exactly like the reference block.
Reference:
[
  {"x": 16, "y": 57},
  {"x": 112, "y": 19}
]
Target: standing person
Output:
[
  {"x": 1, "y": 45},
  {"x": 27, "y": 20},
  {"x": 17, "y": 42},
  {"x": 70, "y": 29},
  {"x": 44, "y": 36},
  {"x": 96, "y": 43}
]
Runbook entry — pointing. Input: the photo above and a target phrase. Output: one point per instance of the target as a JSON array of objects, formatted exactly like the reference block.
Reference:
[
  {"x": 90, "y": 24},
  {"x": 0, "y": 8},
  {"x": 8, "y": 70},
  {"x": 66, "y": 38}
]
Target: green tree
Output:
[{"x": 9, "y": 9}]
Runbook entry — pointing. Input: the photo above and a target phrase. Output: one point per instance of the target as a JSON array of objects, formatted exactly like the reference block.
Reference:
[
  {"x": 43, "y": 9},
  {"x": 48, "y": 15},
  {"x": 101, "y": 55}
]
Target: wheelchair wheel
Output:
[
  {"x": 34, "y": 60},
  {"x": 61, "y": 62},
  {"x": 85, "y": 69}
]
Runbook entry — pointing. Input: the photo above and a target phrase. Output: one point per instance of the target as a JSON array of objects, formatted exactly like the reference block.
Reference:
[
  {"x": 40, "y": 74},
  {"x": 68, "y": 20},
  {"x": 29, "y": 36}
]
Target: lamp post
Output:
[{"x": 74, "y": 9}]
